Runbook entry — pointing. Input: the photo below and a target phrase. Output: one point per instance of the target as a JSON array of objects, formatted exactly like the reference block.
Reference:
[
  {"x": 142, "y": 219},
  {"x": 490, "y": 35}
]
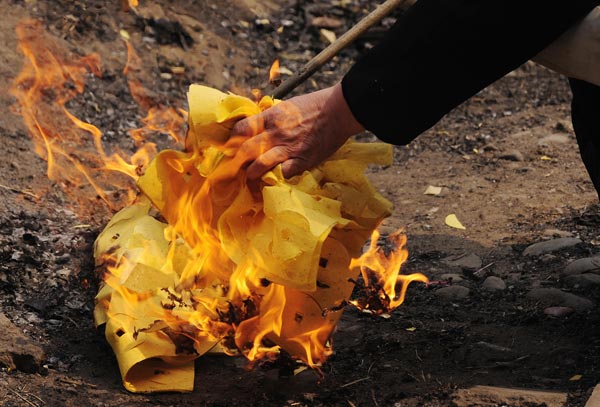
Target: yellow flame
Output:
[
  {"x": 51, "y": 77},
  {"x": 274, "y": 73},
  {"x": 384, "y": 266},
  {"x": 209, "y": 291}
]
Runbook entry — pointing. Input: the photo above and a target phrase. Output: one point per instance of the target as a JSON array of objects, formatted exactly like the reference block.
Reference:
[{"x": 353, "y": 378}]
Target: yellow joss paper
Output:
[
  {"x": 213, "y": 114},
  {"x": 148, "y": 361},
  {"x": 132, "y": 299},
  {"x": 232, "y": 262},
  {"x": 296, "y": 224},
  {"x": 452, "y": 221}
]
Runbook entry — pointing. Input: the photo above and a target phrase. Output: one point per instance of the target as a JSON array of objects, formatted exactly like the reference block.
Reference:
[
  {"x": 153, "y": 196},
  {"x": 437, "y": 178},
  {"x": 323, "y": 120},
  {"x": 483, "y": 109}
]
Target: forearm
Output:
[{"x": 441, "y": 52}]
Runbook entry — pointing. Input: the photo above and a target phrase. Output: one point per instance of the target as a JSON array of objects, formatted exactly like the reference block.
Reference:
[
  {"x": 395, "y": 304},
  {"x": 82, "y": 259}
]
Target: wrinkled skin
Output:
[{"x": 299, "y": 133}]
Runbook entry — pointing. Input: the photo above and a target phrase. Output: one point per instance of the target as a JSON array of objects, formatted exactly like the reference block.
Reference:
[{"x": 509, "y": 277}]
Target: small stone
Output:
[
  {"x": 512, "y": 156},
  {"x": 557, "y": 233},
  {"x": 582, "y": 280},
  {"x": 558, "y": 311},
  {"x": 494, "y": 283},
  {"x": 455, "y": 278},
  {"x": 326, "y": 22},
  {"x": 549, "y": 246},
  {"x": 465, "y": 261},
  {"x": 327, "y": 36},
  {"x": 553, "y": 139},
  {"x": 556, "y": 297},
  {"x": 582, "y": 266},
  {"x": 547, "y": 258},
  {"x": 454, "y": 292},
  {"x": 489, "y": 147},
  {"x": 260, "y": 22}
]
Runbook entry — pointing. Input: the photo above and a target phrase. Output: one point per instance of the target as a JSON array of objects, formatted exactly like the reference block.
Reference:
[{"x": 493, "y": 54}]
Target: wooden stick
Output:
[{"x": 324, "y": 56}]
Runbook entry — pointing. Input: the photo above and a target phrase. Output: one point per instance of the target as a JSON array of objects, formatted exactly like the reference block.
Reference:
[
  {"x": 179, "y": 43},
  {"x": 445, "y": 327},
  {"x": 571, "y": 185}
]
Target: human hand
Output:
[{"x": 300, "y": 133}]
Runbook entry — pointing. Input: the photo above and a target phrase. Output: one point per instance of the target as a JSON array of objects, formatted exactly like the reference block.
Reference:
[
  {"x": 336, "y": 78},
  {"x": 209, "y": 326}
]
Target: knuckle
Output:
[{"x": 240, "y": 127}]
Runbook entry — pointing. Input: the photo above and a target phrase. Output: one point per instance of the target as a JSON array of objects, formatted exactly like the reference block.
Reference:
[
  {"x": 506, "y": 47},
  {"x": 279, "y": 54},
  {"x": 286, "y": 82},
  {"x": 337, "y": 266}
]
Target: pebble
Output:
[
  {"x": 454, "y": 292},
  {"x": 467, "y": 261},
  {"x": 489, "y": 147},
  {"x": 549, "y": 246},
  {"x": 553, "y": 139},
  {"x": 582, "y": 280},
  {"x": 547, "y": 258},
  {"x": 557, "y": 233},
  {"x": 512, "y": 156},
  {"x": 326, "y": 22},
  {"x": 556, "y": 297},
  {"x": 455, "y": 278},
  {"x": 558, "y": 311},
  {"x": 581, "y": 266},
  {"x": 493, "y": 283}
]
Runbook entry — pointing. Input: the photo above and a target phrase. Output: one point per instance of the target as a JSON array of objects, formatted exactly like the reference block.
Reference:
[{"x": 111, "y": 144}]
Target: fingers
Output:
[
  {"x": 250, "y": 126},
  {"x": 294, "y": 166},
  {"x": 267, "y": 141},
  {"x": 265, "y": 162}
]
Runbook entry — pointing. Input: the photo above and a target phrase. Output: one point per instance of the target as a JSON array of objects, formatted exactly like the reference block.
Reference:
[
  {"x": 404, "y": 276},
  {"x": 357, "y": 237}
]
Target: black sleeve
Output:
[{"x": 441, "y": 52}]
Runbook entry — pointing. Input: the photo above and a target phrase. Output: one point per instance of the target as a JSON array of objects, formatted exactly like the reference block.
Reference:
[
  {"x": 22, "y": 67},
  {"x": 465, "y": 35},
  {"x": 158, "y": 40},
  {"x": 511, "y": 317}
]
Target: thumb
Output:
[{"x": 249, "y": 126}]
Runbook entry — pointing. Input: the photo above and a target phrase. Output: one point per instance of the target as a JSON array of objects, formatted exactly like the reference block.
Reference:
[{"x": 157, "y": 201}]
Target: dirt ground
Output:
[{"x": 507, "y": 162}]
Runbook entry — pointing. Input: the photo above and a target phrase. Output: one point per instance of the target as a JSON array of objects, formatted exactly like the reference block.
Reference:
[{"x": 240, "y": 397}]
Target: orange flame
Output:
[
  {"x": 159, "y": 118},
  {"x": 51, "y": 77},
  {"x": 253, "y": 316},
  {"x": 274, "y": 73},
  {"x": 129, "y": 4},
  {"x": 380, "y": 270},
  {"x": 249, "y": 314}
]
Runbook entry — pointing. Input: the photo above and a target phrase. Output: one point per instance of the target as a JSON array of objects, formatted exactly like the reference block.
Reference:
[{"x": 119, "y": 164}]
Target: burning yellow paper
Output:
[{"x": 254, "y": 268}]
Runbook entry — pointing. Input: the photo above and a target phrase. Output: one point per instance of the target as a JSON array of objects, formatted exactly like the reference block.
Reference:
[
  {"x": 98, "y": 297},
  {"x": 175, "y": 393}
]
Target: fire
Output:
[
  {"x": 380, "y": 269},
  {"x": 251, "y": 269},
  {"x": 77, "y": 161},
  {"x": 274, "y": 73},
  {"x": 129, "y": 4}
]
